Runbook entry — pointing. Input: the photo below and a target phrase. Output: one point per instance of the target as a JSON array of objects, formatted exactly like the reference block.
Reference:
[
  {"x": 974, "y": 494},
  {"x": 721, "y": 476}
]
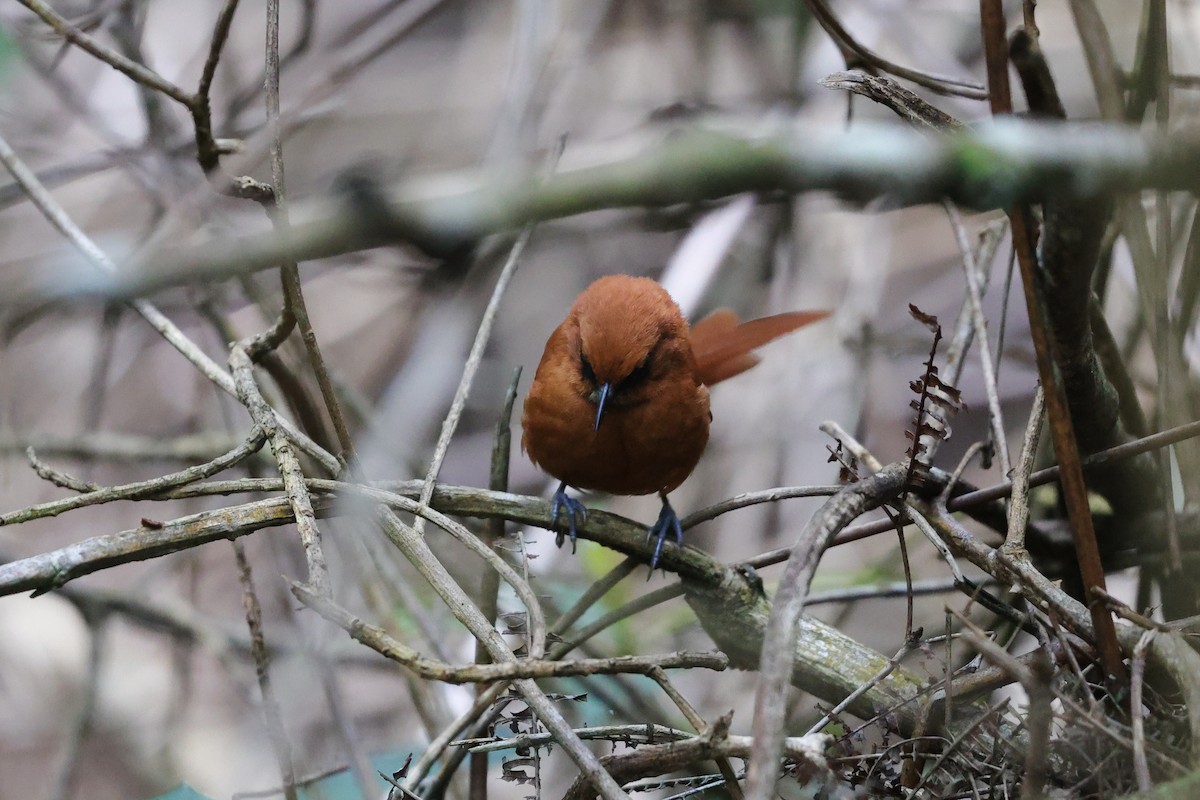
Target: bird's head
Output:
[{"x": 631, "y": 337}]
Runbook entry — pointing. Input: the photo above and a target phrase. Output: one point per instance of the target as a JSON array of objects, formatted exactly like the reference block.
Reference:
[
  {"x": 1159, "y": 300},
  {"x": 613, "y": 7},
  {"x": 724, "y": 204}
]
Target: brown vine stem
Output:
[{"x": 1061, "y": 427}]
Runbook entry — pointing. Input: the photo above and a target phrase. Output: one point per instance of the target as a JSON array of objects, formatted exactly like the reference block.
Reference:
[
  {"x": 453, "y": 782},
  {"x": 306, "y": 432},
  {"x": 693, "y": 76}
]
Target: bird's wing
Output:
[{"x": 722, "y": 344}]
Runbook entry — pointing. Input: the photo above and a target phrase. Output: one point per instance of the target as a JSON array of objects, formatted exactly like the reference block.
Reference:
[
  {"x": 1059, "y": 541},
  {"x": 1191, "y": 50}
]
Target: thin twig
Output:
[
  {"x": 979, "y": 321},
  {"x": 381, "y": 642},
  {"x": 597, "y": 590},
  {"x": 85, "y": 716},
  {"x": 907, "y": 566},
  {"x": 139, "y": 73},
  {"x": 960, "y": 469},
  {"x": 275, "y": 730},
  {"x": 747, "y": 499},
  {"x": 289, "y": 467},
  {"x": 779, "y": 639},
  {"x": 416, "y": 550},
  {"x": 57, "y": 476},
  {"x": 295, "y": 311},
  {"x": 887, "y": 591},
  {"x": 856, "y": 448},
  {"x": 490, "y": 583},
  {"x": 481, "y": 713},
  {"x": 1137, "y": 668},
  {"x": 640, "y": 733},
  {"x": 207, "y": 150},
  {"x": 909, "y": 106},
  {"x": 474, "y": 359},
  {"x": 56, "y": 216},
  {"x": 360, "y": 766},
  {"x": 1035, "y": 680},
  {"x": 1018, "y": 507},
  {"x": 141, "y": 489},
  {"x": 938, "y": 83},
  {"x": 659, "y": 676},
  {"x": 215, "y": 46},
  {"x": 649, "y": 600},
  {"x": 890, "y": 667},
  {"x": 108, "y": 446},
  {"x": 925, "y": 528},
  {"x": 1122, "y": 610}
]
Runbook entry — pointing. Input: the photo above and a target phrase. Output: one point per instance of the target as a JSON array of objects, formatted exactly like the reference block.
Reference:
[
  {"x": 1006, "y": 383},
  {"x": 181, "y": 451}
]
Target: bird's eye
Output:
[
  {"x": 585, "y": 367},
  {"x": 639, "y": 374}
]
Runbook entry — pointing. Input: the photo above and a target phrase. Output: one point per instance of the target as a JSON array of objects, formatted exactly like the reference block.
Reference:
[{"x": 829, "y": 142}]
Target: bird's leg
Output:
[
  {"x": 668, "y": 523},
  {"x": 575, "y": 510}
]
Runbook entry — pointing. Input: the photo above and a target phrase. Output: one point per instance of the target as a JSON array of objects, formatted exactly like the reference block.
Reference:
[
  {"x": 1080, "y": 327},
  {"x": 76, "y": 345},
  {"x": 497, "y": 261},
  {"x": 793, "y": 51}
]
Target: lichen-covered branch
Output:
[{"x": 991, "y": 166}]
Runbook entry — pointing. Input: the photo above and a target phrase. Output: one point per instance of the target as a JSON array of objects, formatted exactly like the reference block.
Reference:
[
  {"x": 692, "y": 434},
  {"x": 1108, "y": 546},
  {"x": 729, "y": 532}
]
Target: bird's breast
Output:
[{"x": 639, "y": 448}]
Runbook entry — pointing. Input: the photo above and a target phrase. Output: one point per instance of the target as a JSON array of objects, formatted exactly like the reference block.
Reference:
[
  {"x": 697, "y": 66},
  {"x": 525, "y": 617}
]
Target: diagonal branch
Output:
[
  {"x": 779, "y": 639},
  {"x": 135, "y": 71},
  {"x": 938, "y": 83}
]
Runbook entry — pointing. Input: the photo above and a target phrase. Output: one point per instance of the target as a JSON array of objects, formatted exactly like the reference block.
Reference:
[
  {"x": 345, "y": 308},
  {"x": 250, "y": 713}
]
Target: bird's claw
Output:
[
  {"x": 667, "y": 523},
  {"x": 575, "y": 511}
]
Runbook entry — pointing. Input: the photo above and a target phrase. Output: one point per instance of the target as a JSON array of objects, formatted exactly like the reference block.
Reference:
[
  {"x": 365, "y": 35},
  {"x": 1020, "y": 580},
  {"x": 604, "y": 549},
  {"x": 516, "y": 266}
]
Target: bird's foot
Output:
[
  {"x": 667, "y": 523},
  {"x": 576, "y": 511}
]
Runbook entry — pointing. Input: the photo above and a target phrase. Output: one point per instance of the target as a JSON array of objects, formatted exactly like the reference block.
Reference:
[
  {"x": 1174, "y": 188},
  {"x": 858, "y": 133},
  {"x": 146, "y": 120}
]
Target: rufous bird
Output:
[{"x": 619, "y": 403}]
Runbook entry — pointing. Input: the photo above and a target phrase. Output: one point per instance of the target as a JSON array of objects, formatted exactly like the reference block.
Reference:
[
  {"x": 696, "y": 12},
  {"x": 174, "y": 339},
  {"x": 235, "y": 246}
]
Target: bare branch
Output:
[
  {"x": 994, "y": 165},
  {"x": 139, "y": 73}
]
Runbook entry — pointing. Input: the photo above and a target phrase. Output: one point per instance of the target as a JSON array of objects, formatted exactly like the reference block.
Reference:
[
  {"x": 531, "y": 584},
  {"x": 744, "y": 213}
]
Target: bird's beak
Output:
[{"x": 601, "y": 398}]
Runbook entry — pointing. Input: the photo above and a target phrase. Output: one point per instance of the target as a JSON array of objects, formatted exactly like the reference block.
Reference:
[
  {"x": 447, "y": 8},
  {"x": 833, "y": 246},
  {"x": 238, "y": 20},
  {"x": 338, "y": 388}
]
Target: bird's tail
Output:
[{"x": 722, "y": 343}]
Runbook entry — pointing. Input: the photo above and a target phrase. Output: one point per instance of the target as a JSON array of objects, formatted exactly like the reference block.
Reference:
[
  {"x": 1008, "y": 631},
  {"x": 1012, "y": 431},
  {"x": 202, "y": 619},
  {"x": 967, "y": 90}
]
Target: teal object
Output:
[
  {"x": 339, "y": 786},
  {"x": 182, "y": 792}
]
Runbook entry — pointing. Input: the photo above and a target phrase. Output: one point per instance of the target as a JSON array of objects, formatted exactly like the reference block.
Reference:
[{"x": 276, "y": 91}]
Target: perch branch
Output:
[{"x": 47, "y": 571}]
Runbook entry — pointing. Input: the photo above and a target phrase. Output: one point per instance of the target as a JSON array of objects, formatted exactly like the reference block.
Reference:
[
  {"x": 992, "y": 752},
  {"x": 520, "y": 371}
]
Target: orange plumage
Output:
[{"x": 619, "y": 402}]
